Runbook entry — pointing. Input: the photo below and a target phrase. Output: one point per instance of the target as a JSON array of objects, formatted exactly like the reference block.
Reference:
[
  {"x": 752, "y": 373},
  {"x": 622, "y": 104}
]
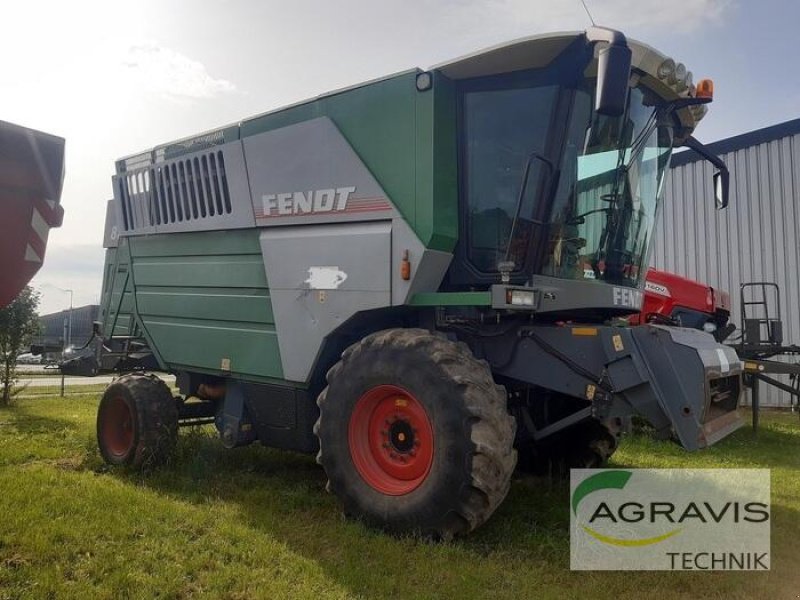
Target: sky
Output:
[{"x": 117, "y": 78}]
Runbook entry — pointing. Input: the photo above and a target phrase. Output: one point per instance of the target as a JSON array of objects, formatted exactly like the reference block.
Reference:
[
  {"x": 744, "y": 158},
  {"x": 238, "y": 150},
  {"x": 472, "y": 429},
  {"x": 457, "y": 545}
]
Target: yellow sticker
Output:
[
  {"x": 401, "y": 402},
  {"x": 617, "y": 341},
  {"x": 587, "y": 331},
  {"x": 749, "y": 366},
  {"x": 590, "y": 391}
]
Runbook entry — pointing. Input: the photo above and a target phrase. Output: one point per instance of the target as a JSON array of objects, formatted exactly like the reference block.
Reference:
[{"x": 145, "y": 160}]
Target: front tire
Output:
[
  {"x": 137, "y": 422},
  {"x": 415, "y": 436}
]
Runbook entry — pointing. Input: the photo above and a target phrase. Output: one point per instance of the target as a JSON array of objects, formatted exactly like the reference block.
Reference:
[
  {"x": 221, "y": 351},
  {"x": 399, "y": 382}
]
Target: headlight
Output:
[
  {"x": 666, "y": 69},
  {"x": 424, "y": 81},
  {"x": 520, "y": 297},
  {"x": 709, "y": 327}
]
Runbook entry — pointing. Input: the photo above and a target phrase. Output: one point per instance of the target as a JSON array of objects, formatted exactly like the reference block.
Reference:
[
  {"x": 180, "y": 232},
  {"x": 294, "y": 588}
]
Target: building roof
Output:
[
  {"x": 744, "y": 140},
  {"x": 86, "y": 309}
]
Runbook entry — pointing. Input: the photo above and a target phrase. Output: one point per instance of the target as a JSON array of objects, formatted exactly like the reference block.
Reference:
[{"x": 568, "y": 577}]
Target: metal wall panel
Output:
[
  {"x": 52, "y": 326},
  {"x": 756, "y": 239}
]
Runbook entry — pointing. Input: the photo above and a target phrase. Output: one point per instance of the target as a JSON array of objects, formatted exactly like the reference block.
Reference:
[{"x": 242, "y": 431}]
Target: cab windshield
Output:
[{"x": 556, "y": 189}]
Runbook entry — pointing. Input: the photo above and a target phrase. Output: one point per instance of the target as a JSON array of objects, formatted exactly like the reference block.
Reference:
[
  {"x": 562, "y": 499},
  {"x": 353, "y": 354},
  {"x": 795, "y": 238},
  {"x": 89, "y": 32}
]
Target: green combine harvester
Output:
[{"x": 418, "y": 278}]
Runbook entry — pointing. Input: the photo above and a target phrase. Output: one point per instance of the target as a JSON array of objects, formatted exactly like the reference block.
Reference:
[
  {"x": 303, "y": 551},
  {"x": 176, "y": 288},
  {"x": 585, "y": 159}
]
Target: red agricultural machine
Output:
[
  {"x": 670, "y": 299},
  {"x": 31, "y": 178}
]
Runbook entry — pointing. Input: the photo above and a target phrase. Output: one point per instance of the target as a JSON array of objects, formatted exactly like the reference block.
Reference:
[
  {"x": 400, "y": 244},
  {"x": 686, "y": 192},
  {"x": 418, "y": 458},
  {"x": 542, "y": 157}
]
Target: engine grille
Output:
[{"x": 182, "y": 190}]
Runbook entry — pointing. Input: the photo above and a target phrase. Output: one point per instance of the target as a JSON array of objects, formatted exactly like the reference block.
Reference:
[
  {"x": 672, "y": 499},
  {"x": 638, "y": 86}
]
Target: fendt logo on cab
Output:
[
  {"x": 309, "y": 202},
  {"x": 627, "y": 297}
]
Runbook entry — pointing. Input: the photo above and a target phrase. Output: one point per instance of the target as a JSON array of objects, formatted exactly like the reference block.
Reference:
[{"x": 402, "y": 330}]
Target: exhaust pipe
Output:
[{"x": 210, "y": 391}]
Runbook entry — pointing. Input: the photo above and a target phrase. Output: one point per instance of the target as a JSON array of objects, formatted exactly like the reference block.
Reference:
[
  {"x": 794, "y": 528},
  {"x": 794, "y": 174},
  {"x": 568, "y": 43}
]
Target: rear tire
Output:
[
  {"x": 137, "y": 422},
  {"x": 415, "y": 436}
]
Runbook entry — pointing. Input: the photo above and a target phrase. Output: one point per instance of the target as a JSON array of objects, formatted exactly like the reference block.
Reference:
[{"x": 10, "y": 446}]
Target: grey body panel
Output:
[
  {"x": 366, "y": 238},
  {"x": 111, "y": 230},
  {"x": 311, "y": 158},
  {"x": 320, "y": 276},
  {"x": 673, "y": 377},
  {"x": 684, "y": 367},
  {"x": 552, "y": 295},
  {"x": 428, "y": 267}
]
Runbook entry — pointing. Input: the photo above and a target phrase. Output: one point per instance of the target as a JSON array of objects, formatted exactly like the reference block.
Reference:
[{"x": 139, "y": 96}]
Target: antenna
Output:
[{"x": 586, "y": 8}]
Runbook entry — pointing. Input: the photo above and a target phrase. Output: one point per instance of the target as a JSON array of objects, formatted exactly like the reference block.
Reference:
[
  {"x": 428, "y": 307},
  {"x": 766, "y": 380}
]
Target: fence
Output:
[{"x": 34, "y": 381}]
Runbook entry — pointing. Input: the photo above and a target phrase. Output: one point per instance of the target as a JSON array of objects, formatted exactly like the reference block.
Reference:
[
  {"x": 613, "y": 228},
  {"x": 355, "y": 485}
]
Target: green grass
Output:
[{"x": 256, "y": 523}]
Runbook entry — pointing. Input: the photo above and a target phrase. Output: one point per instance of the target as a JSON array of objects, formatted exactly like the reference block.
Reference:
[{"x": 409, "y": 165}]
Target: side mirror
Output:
[
  {"x": 613, "y": 71},
  {"x": 721, "y": 188},
  {"x": 721, "y": 177}
]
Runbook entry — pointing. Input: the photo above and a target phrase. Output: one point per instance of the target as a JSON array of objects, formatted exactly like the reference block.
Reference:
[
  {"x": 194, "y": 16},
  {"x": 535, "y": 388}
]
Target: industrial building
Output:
[
  {"x": 757, "y": 238},
  {"x": 59, "y": 329}
]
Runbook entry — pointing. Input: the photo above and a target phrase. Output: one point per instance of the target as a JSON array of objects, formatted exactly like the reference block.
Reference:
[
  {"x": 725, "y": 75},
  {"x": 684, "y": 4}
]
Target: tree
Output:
[{"x": 19, "y": 322}]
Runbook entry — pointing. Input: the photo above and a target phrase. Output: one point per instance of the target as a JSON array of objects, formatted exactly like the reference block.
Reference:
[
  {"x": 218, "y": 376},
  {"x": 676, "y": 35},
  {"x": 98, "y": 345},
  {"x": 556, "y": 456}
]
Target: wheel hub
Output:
[
  {"x": 118, "y": 427},
  {"x": 391, "y": 440},
  {"x": 402, "y": 436}
]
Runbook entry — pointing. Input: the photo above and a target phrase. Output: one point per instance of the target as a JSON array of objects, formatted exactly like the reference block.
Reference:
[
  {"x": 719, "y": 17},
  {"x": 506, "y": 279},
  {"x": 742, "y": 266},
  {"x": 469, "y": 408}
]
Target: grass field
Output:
[{"x": 256, "y": 523}]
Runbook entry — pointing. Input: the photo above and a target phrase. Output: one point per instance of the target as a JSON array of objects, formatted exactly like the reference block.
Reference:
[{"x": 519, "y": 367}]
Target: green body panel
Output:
[
  {"x": 198, "y": 343},
  {"x": 437, "y": 166},
  {"x": 213, "y": 271},
  {"x": 201, "y": 298},
  {"x": 390, "y": 125},
  {"x": 245, "y": 305},
  {"x": 452, "y": 299},
  {"x": 117, "y": 293}
]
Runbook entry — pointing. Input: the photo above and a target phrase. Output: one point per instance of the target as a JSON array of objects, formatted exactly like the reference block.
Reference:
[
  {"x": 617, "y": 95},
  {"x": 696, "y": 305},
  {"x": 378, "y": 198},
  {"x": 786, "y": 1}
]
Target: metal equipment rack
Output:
[{"x": 762, "y": 341}]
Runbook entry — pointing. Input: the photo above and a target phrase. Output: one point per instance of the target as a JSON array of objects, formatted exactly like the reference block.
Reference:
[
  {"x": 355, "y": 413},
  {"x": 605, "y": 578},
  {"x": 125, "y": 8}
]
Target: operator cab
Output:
[{"x": 560, "y": 188}]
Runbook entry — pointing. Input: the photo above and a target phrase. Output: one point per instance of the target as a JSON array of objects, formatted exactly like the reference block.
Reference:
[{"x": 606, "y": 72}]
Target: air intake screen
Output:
[{"x": 183, "y": 190}]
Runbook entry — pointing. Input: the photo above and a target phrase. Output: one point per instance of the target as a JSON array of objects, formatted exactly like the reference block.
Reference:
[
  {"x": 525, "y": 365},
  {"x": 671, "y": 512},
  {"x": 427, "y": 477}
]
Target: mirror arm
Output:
[{"x": 693, "y": 144}]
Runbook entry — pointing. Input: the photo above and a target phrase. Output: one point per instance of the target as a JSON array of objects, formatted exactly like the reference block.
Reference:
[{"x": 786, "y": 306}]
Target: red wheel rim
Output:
[
  {"x": 391, "y": 440},
  {"x": 118, "y": 426}
]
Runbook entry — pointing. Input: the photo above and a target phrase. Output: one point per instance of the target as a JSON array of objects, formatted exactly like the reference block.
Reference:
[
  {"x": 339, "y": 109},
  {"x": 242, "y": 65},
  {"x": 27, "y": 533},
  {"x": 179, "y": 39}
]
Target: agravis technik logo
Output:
[{"x": 707, "y": 519}]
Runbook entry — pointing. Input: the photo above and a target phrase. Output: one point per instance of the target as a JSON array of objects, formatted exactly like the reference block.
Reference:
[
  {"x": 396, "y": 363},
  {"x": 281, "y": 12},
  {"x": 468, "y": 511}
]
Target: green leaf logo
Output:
[
  {"x": 615, "y": 480},
  {"x": 601, "y": 481}
]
